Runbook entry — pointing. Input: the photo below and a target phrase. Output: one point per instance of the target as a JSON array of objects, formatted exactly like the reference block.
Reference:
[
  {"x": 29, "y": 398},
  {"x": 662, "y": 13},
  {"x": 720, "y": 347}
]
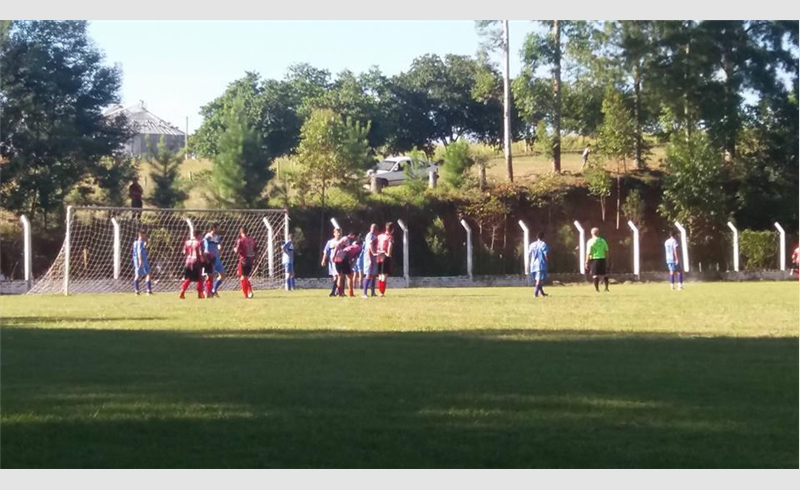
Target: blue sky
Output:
[{"x": 176, "y": 67}]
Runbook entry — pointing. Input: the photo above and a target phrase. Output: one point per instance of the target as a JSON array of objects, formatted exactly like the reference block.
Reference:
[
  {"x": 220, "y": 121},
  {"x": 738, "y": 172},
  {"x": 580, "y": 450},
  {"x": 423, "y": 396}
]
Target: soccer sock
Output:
[
  {"x": 672, "y": 279},
  {"x": 249, "y": 286},
  {"x": 244, "y": 287},
  {"x": 333, "y": 289},
  {"x": 136, "y": 285},
  {"x": 680, "y": 278},
  {"x": 597, "y": 284},
  {"x": 372, "y": 285},
  {"x": 291, "y": 283},
  {"x": 605, "y": 281},
  {"x": 185, "y": 285},
  {"x": 209, "y": 285},
  {"x": 365, "y": 285},
  {"x": 382, "y": 287},
  {"x": 217, "y": 284},
  {"x": 149, "y": 286},
  {"x": 536, "y": 291}
]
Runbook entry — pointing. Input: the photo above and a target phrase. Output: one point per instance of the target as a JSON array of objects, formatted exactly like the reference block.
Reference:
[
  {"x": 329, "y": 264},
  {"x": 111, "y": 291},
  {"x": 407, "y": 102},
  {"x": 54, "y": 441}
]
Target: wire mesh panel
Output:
[{"x": 86, "y": 262}]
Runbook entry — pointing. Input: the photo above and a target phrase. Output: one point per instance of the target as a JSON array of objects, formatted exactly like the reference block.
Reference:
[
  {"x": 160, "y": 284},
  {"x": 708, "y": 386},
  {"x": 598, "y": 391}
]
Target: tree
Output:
[
  {"x": 598, "y": 181},
  {"x": 241, "y": 167},
  {"x": 617, "y": 135},
  {"x": 694, "y": 188},
  {"x": 53, "y": 87},
  {"x": 497, "y": 39},
  {"x": 113, "y": 174},
  {"x": 457, "y": 162},
  {"x": 272, "y": 108},
  {"x": 332, "y": 152},
  {"x": 544, "y": 141},
  {"x": 167, "y": 191}
]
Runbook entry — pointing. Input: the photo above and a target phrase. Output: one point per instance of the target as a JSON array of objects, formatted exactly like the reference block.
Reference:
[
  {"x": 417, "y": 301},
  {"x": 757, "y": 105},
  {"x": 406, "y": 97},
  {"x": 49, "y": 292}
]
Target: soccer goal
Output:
[{"x": 97, "y": 256}]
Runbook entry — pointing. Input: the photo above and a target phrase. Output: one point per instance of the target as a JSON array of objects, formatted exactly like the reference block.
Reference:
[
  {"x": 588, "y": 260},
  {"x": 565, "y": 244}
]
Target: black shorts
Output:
[
  {"x": 597, "y": 267},
  {"x": 343, "y": 267},
  {"x": 245, "y": 267},
  {"x": 385, "y": 266},
  {"x": 193, "y": 273}
]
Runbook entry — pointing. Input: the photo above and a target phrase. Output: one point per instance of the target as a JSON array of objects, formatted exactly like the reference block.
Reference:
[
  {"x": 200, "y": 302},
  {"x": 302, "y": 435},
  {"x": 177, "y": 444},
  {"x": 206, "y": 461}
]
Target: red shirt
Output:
[
  {"x": 353, "y": 251},
  {"x": 193, "y": 252},
  {"x": 384, "y": 240},
  {"x": 246, "y": 248}
]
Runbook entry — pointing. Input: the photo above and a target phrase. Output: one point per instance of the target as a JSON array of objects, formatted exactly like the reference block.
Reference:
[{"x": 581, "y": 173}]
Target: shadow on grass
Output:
[{"x": 494, "y": 398}]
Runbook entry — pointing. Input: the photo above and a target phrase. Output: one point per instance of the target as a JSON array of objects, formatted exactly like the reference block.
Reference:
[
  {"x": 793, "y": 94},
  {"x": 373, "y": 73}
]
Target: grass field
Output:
[{"x": 640, "y": 377}]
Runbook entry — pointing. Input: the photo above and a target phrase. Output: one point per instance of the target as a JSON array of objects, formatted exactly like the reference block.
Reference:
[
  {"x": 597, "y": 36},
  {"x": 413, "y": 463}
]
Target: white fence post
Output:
[
  {"x": 735, "y": 246},
  {"x": 469, "y": 247},
  {"x": 270, "y": 248},
  {"x": 526, "y": 242},
  {"x": 116, "y": 247},
  {"x": 27, "y": 259},
  {"x": 684, "y": 246},
  {"x": 405, "y": 252},
  {"x": 191, "y": 227},
  {"x": 783, "y": 245},
  {"x": 635, "y": 248},
  {"x": 66, "y": 251},
  {"x": 581, "y": 246}
]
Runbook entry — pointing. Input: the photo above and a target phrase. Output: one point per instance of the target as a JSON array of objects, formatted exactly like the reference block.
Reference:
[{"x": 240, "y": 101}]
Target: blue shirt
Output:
[
  {"x": 211, "y": 244},
  {"x": 329, "y": 248},
  {"x": 538, "y": 251},
  {"x": 139, "y": 247},
  {"x": 288, "y": 253},
  {"x": 671, "y": 248}
]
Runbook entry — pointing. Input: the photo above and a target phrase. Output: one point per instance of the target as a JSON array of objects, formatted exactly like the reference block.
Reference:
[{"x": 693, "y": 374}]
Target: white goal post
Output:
[{"x": 97, "y": 254}]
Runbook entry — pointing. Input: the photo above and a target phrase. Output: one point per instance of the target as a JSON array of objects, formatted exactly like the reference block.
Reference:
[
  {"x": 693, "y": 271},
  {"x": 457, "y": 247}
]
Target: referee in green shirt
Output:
[{"x": 596, "y": 256}]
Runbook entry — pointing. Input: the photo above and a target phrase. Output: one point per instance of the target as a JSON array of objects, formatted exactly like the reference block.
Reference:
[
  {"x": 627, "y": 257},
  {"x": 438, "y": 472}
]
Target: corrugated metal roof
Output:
[{"x": 145, "y": 121}]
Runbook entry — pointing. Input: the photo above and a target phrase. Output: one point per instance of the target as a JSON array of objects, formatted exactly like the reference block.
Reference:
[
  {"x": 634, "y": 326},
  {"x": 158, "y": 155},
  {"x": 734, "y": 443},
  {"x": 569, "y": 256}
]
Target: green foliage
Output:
[
  {"x": 598, "y": 180},
  {"x": 241, "y": 168},
  {"x": 332, "y": 152},
  {"x": 416, "y": 178},
  {"x": 457, "y": 162},
  {"x": 633, "y": 209},
  {"x": 544, "y": 140},
  {"x": 758, "y": 248},
  {"x": 53, "y": 88},
  {"x": 167, "y": 191},
  {"x": 113, "y": 175},
  {"x": 693, "y": 189},
  {"x": 617, "y": 140},
  {"x": 434, "y": 238}
]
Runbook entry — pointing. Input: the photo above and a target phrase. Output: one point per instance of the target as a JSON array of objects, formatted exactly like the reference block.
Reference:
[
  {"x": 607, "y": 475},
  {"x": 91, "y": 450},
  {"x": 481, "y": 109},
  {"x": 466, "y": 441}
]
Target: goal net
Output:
[{"x": 97, "y": 254}]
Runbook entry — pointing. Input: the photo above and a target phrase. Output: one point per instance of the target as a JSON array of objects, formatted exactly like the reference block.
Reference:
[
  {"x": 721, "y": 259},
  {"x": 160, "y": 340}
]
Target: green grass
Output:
[{"x": 640, "y": 377}]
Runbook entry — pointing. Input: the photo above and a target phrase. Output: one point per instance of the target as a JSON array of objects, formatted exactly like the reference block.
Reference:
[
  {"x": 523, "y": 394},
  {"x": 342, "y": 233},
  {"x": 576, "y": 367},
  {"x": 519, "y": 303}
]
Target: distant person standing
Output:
[
  {"x": 135, "y": 192},
  {"x": 586, "y": 156},
  {"x": 596, "y": 256},
  {"x": 539, "y": 254},
  {"x": 671, "y": 249}
]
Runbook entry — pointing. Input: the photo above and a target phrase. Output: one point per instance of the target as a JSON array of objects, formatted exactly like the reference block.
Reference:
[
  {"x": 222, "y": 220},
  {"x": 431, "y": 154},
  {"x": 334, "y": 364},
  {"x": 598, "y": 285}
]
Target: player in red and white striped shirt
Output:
[
  {"x": 385, "y": 249},
  {"x": 246, "y": 248},
  {"x": 193, "y": 266}
]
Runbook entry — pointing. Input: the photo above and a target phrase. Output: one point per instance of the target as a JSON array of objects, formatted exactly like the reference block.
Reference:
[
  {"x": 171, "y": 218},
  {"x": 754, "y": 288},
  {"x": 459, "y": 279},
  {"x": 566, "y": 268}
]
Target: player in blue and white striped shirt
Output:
[
  {"x": 672, "y": 252},
  {"x": 538, "y": 253},
  {"x": 140, "y": 266},
  {"x": 212, "y": 250}
]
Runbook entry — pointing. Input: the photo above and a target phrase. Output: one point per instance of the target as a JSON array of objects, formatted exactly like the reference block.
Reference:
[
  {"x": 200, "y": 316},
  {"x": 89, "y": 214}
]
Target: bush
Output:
[{"x": 758, "y": 248}]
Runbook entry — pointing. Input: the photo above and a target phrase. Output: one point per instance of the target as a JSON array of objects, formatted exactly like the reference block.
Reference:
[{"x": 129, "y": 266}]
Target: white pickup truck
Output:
[{"x": 392, "y": 171}]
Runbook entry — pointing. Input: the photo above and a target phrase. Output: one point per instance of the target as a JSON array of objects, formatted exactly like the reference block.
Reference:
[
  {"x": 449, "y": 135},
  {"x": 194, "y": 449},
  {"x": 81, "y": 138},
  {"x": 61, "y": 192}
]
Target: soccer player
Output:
[
  {"x": 213, "y": 250},
  {"x": 342, "y": 263},
  {"x": 671, "y": 248},
  {"x": 192, "y": 250},
  {"x": 288, "y": 262},
  {"x": 358, "y": 266},
  {"x": 370, "y": 253},
  {"x": 327, "y": 256},
  {"x": 140, "y": 266},
  {"x": 596, "y": 256},
  {"x": 352, "y": 254},
  {"x": 538, "y": 252},
  {"x": 246, "y": 248},
  {"x": 371, "y": 237},
  {"x": 385, "y": 248},
  {"x": 795, "y": 262}
]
